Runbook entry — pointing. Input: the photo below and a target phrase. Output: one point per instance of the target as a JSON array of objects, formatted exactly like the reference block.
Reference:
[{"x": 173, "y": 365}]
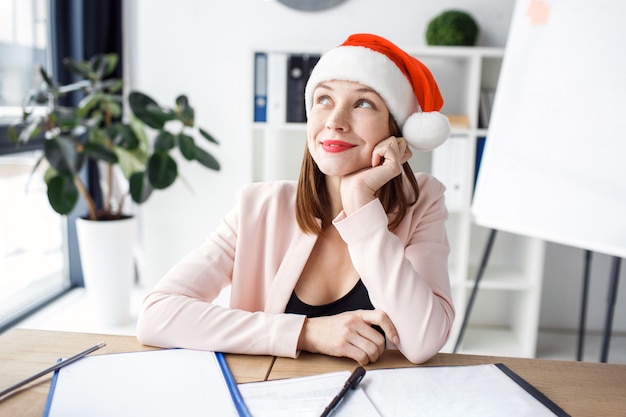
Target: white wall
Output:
[{"x": 204, "y": 48}]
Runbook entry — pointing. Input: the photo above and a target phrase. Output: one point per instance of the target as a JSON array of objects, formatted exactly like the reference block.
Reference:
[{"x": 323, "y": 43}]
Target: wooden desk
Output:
[
  {"x": 580, "y": 388},
  {"x": 25, "y": 352}
]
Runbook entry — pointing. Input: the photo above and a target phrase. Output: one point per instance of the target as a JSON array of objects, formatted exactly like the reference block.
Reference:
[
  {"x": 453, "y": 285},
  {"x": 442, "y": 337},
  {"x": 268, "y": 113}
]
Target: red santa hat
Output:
[{"x": 406, "y": 85}]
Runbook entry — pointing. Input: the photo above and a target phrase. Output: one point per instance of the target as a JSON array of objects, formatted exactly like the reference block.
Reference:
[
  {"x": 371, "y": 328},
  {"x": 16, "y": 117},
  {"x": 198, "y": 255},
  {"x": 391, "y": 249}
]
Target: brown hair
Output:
[{"x": 312, "y": 200}]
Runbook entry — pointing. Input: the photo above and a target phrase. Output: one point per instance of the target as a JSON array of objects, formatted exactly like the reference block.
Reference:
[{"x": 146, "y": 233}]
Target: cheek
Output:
[{"x": 374, "y": 133}]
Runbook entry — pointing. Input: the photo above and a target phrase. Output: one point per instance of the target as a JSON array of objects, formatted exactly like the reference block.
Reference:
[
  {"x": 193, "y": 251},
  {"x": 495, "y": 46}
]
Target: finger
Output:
[
  {"x": 405, "y": 152},
  {"x": 385, "y": 151},
  {"x": 366, "y": 345},
  {"x": 380, "y": 318}
]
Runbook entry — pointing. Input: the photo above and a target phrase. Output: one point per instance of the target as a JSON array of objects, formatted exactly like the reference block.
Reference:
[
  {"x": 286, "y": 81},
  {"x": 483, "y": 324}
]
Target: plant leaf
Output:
[
  {"x": 164, "y": 141},
  {"x": 185, "y": 111},
  {"x": 162, "y": 170},
  {"x": 140, "y": 187},
  {"x": 113, "y": 85},
  {"x": 62, "y": 194},
  {"x": 78, "y": 67},
  {"x": 87, "y": 103},
  {"x": 100, "y": 152},
  {"x": 112, "y": 61},
  {"x": 148, "y": 111},
  {"x": 208, "y": 136},
  {"x": 12, "y": 134},
  {"x": 187, "y": 146},
  {"x": 30, "y": 131},
  {"x": 62, "y": 154},
  {"x": 123, "y": 136},
  {"x": 64, "y": 117},
  {"x": 187, "y": 116},
  {"x": 207, "y": 159},
  {"x": 182, "y": 102},
  {"x": 130, "y": 162}
]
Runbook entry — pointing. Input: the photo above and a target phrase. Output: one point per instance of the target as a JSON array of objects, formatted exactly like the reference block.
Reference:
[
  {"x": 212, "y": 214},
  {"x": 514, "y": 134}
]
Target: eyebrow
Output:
[{"x": 363, "y": 89}]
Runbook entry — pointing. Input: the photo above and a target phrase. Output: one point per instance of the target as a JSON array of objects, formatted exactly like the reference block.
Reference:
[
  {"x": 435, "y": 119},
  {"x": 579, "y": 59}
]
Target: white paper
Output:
[
  {"x": 175, "y": 382},
  {"x": 468, "y": 391},
  {"x": 476, "y": 390},
  {"x": 305, "y": 397}
]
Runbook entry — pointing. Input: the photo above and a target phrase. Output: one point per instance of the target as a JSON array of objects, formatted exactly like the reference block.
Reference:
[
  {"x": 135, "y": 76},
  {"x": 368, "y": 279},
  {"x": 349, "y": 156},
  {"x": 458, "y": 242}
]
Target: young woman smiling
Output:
[{"x": 351, "y": 259}]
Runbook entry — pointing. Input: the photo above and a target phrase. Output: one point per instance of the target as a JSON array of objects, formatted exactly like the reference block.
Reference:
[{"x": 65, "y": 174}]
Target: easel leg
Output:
[
  {"x": 583, "y": 307},
  {"x": 610, "y": 309},
  {"x": 479, "y": 275}
]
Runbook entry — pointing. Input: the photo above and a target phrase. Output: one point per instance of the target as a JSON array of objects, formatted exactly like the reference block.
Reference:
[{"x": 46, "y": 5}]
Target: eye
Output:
[
  {"x": 325, "y": 100},
  {"x": 365, "y": 104}
]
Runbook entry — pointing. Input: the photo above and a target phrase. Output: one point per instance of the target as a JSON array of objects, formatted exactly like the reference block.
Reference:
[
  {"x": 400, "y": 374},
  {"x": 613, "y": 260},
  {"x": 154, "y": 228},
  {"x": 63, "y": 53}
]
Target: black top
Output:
[{"x": 357, "y": 299}]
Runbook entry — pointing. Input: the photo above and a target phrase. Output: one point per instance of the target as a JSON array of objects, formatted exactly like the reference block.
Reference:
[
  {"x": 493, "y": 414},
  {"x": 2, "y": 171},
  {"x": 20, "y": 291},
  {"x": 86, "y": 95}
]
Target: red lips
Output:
[{"x": 336, "y": 146}]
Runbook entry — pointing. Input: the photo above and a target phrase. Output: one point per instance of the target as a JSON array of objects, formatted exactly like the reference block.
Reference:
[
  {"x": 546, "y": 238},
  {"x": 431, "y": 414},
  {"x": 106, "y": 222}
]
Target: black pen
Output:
[
  {"x": 351, "y": 383},
  {"x": 53, "y": 368}
]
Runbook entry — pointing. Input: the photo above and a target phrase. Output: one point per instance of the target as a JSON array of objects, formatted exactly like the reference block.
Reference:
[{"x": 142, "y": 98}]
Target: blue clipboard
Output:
[{"x": 240, "y": 405}]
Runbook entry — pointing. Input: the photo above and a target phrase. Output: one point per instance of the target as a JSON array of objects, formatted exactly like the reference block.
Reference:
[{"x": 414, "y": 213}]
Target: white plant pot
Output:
[{"x": 107, "y": 258}]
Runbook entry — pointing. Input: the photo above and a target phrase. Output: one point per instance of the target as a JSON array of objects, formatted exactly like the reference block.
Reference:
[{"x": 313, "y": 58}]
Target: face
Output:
[{"x": 344, "y": 125}]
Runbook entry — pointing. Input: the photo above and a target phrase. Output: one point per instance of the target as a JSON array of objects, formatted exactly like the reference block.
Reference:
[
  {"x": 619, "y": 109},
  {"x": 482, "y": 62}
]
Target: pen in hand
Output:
[
  {"x": 52, "y": 368},
  {"x": 351, "y": 383}
]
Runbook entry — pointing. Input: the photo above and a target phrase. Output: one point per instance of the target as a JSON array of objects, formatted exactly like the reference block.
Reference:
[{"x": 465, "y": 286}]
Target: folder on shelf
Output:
[
  {"x": 172, "y": 382},
  {"x": 298, "y": 73},
  {"x": 450, "y": 165},
  {"x": 276, "y": 87},
  {"x": 471, "y": 390},
  {"x": 260, "y": 87}
]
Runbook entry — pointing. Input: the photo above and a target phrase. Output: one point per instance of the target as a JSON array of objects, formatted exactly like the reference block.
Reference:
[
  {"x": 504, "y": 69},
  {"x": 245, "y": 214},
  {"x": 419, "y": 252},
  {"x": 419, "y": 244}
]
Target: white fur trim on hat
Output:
[{"x": 370, "y": 68}]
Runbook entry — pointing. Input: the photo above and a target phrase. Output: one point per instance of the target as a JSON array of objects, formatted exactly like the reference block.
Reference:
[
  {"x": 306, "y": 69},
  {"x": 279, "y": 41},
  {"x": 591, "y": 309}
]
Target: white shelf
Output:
[{"x": 503, "y": 341}]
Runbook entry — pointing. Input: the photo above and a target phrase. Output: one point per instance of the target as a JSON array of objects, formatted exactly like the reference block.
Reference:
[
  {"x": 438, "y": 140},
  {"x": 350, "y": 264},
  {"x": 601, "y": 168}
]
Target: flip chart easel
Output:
[{"x": 554, "y": 164}]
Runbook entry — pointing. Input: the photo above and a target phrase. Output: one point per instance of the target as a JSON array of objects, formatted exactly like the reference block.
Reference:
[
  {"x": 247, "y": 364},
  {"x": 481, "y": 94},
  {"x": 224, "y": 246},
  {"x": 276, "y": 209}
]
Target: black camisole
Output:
[{"x": 357, "y": 299}]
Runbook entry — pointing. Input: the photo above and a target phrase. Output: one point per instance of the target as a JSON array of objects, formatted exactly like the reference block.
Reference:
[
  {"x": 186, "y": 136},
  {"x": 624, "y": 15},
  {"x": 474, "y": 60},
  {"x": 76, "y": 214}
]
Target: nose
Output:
[{"x": 338, "y": 119}]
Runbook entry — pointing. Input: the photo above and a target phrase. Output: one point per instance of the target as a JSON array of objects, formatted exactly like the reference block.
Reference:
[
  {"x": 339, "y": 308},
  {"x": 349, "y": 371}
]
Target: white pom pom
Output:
[{"x": 426, "y": 131}]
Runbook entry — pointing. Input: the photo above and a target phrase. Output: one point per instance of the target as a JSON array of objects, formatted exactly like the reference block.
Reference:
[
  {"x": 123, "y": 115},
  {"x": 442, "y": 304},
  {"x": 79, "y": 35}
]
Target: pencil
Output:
[{"x": 52, "y": 369}]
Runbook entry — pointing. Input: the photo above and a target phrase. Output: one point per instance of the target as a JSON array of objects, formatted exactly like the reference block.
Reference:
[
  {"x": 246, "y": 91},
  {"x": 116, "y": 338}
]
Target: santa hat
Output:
[{"x": 406, "y": 85}]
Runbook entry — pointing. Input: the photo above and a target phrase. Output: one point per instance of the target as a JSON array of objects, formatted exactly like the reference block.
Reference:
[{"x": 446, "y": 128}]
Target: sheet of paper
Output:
[
  {"x": 477, "y": 390},
  {"x": 468, "y": 391},
  {"x": 305, "y": 397},
  {"x": 176, "y": 382}
]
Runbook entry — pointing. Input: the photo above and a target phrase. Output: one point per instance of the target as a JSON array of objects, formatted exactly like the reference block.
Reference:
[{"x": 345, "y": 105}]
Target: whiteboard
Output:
[{"x": 554, "y": 164}]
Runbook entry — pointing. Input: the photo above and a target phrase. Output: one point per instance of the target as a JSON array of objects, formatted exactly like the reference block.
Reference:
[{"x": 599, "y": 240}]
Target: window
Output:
[
  {"x": 33, "y": 238},
  {"x": 23, "y": 48}
]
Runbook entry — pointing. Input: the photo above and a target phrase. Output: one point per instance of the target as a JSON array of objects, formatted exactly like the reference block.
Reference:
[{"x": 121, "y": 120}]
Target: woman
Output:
[{"x": 350, "y": 260}]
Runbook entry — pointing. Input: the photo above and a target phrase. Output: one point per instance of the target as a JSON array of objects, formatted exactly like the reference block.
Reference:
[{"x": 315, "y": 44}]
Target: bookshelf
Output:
[{"x": 504, "y": 320}]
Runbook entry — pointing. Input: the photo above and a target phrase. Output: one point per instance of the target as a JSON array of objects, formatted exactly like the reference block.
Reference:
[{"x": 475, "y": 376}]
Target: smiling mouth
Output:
[{"x": 335, "y": 146}]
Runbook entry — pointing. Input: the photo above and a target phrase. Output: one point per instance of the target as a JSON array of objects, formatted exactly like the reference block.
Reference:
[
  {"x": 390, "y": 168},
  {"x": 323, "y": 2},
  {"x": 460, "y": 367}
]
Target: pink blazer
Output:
[{"x": 260, "y": 252}]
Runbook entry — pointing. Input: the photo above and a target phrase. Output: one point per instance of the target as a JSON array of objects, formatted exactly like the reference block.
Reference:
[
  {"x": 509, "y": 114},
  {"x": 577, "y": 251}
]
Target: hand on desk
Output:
[{"x": 349, "y": 334}]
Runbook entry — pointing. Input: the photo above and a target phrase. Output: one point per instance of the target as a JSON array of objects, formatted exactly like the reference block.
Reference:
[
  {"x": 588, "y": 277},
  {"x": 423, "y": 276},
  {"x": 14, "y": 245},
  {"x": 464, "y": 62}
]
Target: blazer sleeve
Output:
[
  {"x": 406, "y": 272},
  {"x": 180, "y": 312}
]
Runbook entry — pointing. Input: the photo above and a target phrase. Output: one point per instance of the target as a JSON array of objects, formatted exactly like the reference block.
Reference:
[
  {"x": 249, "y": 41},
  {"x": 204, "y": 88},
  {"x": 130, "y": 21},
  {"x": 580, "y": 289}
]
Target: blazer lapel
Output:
[{"x": 289, "y": 272}]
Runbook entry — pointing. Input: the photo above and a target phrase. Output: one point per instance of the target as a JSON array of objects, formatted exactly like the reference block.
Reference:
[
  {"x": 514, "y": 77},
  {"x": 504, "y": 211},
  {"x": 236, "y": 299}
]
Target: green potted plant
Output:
[
  {"x": 452, "y": 28},
  {"x": 98, "y": 129}
]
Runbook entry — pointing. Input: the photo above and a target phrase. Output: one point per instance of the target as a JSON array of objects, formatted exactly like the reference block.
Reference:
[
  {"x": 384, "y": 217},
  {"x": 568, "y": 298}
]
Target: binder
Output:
[
  {"x": 276, "y": 87},
  {"x": 451, "y": 166},
  {"x": 171, "y": 382},
  {"x": 260, "y": 87},
  {"x": 480, "y": 147},
  {"x": 299, "y": 69}
]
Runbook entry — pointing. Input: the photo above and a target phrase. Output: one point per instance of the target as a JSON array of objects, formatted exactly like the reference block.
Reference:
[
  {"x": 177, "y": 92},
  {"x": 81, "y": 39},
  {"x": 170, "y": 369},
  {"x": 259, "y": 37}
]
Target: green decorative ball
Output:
[{"x": 452, "y": 28}]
